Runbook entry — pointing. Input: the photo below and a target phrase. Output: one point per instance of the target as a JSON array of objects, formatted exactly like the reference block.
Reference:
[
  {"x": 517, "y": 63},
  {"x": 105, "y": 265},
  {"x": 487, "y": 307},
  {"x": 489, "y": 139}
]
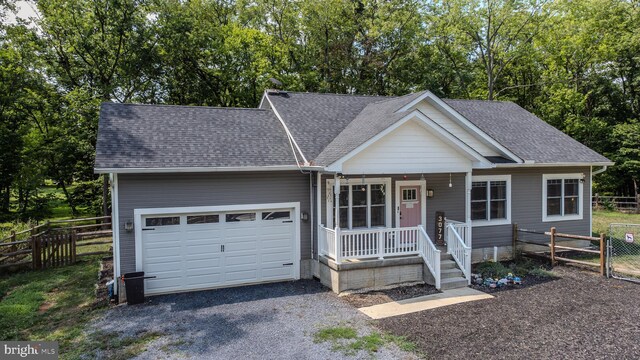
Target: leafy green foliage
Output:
[{"x": 573, "y": 63}]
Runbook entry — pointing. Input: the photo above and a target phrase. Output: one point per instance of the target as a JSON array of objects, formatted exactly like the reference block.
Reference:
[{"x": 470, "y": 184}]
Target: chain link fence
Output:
[{"x": 623, "y": 252}]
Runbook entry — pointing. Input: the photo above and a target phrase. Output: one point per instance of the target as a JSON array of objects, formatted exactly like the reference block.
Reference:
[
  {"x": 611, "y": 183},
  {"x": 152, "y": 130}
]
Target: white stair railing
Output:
[
  {"x": 430, "y": 254},
  {"x": 458, "y": 249}
]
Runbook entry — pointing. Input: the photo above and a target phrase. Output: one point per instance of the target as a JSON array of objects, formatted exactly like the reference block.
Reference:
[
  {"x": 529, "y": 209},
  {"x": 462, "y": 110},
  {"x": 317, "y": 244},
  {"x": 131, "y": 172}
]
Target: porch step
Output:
[
  {"x": 453, "y": 283},
  {"x": 448, "y": 264},
  {"x": 445, "y": 256},
  {"x": 451, "y": 273}
]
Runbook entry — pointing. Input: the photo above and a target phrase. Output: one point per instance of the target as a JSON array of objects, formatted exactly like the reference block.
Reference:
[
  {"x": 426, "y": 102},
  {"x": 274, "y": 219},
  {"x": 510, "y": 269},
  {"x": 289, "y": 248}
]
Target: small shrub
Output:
[
  {"x": 540, "y": 272},
  {"x": 492, "y": 269}
]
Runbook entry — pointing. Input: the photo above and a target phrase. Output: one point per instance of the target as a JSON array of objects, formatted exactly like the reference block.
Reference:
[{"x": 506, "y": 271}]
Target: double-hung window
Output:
[
  {"x": 491, "y": 200},
  {"x": 562, "y": 197},
  {"x": 362, "y": 204}
]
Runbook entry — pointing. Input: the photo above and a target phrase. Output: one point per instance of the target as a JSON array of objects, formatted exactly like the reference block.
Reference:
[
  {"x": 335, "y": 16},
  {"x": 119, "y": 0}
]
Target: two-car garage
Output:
[{"x": 210, "y": 247}]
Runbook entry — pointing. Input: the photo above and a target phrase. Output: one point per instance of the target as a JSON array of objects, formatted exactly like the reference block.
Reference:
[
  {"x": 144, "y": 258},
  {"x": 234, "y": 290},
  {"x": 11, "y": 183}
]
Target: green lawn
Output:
[
  {"x": 52, "y": 305},
  {"x": 602, "y": 219}
]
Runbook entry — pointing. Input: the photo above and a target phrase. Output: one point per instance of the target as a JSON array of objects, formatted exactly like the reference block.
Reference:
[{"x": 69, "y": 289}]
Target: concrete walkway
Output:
[{"x": 447, "y": 297}]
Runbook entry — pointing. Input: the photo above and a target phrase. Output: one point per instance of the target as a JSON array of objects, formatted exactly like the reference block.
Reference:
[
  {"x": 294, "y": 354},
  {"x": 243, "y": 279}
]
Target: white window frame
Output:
[
  {"x": 579, "y": 215},
  {"x": 358, "y": 181},
  {"x": 488, "y": 179}
]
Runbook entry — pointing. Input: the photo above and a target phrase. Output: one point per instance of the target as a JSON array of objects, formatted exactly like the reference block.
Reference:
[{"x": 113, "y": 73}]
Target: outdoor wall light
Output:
[
  {"x": 304, "y": 216},
  {"x": 128, "y": 226},
  {"x": 429, "y": 193}
]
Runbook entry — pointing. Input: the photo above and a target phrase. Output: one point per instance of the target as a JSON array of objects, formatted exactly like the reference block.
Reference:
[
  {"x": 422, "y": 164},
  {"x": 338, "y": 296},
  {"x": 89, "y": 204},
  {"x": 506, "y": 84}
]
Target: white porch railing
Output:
[
  {"x": 379, "y": 243},
  {"x": 430, "y": 254},
  {"x": 458, "y": 245}
]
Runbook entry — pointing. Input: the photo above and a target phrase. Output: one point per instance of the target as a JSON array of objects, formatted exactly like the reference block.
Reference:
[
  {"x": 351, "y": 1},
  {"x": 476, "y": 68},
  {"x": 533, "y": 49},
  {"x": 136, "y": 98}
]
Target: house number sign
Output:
[{"x": 440, "y": 228}]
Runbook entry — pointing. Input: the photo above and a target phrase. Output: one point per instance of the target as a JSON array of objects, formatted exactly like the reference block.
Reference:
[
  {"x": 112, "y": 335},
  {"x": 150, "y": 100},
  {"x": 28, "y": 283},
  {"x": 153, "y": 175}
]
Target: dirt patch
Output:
[
  {"x": 581, "y": 315},
  {"x": 376, "y": 297},
  {"x": 104, "y": 275},
  {"x": 44, "y": 307}
]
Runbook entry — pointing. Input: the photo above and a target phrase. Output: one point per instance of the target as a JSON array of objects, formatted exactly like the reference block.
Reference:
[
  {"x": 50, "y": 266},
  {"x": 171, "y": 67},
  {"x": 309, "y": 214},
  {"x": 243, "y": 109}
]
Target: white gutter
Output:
[
  {"x": 533, "y": 164},
  {"x": 286, "y": 129},
  {"x": 202, "y": 169},
  {"x": 599, "y": 171}
]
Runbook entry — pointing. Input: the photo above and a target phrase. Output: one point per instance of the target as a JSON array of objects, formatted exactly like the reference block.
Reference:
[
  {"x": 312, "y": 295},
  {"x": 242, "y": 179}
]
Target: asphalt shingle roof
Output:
[
  {"x": 325, "y": 126},
  {"x": 523, "y": 133},
  {"x": 164, "y": 136},
  {"x": 314, "y": 120}
]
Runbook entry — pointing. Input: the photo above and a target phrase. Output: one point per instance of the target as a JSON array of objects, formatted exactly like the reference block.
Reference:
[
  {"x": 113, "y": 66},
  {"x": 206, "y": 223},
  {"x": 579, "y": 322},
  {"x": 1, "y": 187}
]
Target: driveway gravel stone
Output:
[{"x": 271, "y": 321}]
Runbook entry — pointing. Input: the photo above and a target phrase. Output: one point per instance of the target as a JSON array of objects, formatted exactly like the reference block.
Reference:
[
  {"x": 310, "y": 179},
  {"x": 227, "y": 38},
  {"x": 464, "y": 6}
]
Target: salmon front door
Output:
[{"x": 410, "y": 206}]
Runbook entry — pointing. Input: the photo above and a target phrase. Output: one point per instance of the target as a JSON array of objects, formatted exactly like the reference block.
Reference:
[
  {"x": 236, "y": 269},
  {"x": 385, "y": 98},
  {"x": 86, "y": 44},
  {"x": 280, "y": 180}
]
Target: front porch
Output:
[{"x": 367, "y": 258}]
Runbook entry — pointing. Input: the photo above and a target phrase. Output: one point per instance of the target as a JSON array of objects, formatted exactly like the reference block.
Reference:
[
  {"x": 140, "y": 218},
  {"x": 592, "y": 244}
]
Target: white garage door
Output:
[{"x": 216, "y": 249}]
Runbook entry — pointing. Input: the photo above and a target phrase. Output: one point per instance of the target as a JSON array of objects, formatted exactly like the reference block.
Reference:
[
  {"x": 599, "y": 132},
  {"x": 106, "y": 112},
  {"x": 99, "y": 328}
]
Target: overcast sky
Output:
[{"x": 25, "y": 11}]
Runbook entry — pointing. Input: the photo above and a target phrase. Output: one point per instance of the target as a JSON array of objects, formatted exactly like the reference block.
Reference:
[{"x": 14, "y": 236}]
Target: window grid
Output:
[
  {"x": 493, "y": 196},
  {"x": 347, "y": 211}
]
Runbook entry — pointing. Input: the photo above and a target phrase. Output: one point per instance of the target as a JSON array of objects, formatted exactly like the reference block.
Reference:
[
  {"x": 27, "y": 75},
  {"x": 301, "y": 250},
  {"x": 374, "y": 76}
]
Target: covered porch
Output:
[{"x": 408, "y": 221}]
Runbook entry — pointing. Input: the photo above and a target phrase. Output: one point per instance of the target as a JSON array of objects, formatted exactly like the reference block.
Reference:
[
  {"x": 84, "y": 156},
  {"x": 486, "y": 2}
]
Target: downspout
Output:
[
  {"x": 115, "y": 230},
  {"x": 312, "y": 212},
  {"x": 599, "y": 171}
]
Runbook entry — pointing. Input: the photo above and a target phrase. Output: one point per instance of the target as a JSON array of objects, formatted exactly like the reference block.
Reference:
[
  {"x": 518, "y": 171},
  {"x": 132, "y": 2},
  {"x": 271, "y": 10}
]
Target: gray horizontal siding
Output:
[
  {"x": 447, "y": 199},
  {"x": 208, "y": 189},
  {"x": 526, "y": 206}
]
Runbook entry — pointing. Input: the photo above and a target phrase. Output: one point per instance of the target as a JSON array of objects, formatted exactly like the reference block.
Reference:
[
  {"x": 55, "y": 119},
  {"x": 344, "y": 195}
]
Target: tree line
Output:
[{"x": 575, "y": 64}]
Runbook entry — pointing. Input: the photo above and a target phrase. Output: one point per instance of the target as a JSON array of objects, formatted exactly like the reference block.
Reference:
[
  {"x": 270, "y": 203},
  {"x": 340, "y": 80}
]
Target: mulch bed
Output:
[
  {"x": 376, "y": 297},
  {"x": 581, "y": 315}
]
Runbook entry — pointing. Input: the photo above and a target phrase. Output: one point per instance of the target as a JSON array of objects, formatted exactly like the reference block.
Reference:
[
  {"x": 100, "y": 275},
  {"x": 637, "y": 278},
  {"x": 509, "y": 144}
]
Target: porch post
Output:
[
  {"x": 336, "y": 225},
  {"x": 467, "y": 212}
]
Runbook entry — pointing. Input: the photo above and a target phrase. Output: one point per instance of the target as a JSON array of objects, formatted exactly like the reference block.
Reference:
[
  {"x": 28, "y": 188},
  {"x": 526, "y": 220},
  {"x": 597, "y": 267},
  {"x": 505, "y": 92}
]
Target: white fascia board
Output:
[
  {"x": 563, "y": 164},
  {"x": 466, "y": 124},
  {"x": 202, "y": 169},
  {"x": 446, "y": 136}
]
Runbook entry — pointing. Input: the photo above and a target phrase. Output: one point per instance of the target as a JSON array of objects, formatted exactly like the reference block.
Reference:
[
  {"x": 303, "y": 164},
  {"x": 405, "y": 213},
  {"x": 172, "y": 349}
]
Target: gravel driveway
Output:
[
  {"x": 272, "y": 321},
  {"x": 579, "y": 316}
]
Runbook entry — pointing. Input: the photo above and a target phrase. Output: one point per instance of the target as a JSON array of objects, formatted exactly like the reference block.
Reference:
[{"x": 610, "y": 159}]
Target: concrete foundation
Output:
[{"x": 357, "y": 275}]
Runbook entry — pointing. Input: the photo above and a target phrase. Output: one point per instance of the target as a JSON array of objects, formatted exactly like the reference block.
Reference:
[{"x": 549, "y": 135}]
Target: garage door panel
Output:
[
  {"x": 190, "y": 256},
  {"x": 241, "y": 276}
]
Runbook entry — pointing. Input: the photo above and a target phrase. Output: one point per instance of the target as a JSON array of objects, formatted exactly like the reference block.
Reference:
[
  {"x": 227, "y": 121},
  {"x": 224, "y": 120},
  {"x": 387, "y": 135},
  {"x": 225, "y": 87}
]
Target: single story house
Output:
[{"x": 358, "y": 191}]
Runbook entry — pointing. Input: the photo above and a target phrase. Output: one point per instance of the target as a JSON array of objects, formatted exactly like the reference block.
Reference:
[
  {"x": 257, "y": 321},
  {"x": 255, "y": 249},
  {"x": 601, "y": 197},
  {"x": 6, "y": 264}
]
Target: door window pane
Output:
[
  {"x": 241, "y": 217},
  {"x": 162, "y": 221},
  {"x": 203, "y": 219},
  {"x": 409, "y": 194},
  {"x": 276, "y": 215}
]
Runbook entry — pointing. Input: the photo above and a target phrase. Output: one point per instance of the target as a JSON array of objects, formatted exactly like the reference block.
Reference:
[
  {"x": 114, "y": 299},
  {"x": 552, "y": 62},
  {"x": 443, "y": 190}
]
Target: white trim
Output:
[
  {"x": 562, "y": 164},
  {"x": 488, "y": 178},
  {"x": 444, "y": 107},
  {"x": 468, "y": 181},
  {"x": 581, "y": 200},
  {"x": 331, "y": 198},
  {"x": 202, "y": 169},
  {"x": 318, "y": 211},
  {"x": 139, "y": 213},
  {"x": 470, "y": 153},
  {"x": 115, "y": 227},
  {"x": 423, "y": 199},
  {"x": 286, "y": 129}
]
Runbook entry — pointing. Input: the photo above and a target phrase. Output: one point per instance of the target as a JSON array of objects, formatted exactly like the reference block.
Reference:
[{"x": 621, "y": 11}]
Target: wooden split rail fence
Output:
[
  {"x": 555, "y": 252},
  {"x": 54, "y": 243}
]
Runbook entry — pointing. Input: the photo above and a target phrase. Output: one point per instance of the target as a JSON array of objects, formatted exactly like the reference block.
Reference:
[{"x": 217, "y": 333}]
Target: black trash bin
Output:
[{"x": 134, "y": 286}]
